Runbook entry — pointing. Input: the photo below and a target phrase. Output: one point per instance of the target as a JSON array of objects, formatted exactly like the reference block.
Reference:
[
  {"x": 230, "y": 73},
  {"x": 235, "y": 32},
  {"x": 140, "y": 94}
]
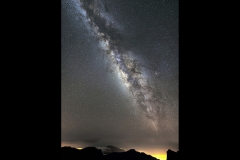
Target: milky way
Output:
[
  {"x": 119, "y": 81},
  {"x": 135, "y": 76}
]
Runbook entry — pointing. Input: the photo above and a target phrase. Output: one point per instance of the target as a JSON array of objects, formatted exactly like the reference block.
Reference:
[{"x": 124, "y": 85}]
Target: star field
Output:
[{"x": 120, "y": 74}]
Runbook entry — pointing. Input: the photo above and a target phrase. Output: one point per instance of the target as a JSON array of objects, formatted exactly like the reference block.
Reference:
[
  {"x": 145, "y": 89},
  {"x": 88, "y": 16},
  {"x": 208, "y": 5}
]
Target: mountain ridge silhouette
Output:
[{"x": 93, "y": 153}]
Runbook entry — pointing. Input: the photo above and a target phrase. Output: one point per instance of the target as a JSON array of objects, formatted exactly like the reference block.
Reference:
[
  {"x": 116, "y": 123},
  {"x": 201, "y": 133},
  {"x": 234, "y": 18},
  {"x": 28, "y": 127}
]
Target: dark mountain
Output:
[
  {"x": 92, "y": 153},
  {"x": 171, "y": 155},
  {"x": 129, "y": 155},
  {"x": 88, "y": 153},
  {"x": 70, "y": 153}
]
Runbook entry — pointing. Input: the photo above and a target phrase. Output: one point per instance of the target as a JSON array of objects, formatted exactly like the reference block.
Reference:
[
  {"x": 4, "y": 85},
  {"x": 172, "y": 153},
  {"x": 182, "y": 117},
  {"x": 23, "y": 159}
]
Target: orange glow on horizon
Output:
[{"x": 160, "y": 156}]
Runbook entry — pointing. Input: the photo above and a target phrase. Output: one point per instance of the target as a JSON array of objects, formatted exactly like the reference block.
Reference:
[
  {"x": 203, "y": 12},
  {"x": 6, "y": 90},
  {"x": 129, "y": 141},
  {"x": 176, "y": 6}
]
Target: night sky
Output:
[{"x": 120, "y": 74}]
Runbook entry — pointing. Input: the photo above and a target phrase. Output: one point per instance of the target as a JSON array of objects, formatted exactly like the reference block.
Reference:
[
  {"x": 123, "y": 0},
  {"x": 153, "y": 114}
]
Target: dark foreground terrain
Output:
[{"x": 93, "y": 153}]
